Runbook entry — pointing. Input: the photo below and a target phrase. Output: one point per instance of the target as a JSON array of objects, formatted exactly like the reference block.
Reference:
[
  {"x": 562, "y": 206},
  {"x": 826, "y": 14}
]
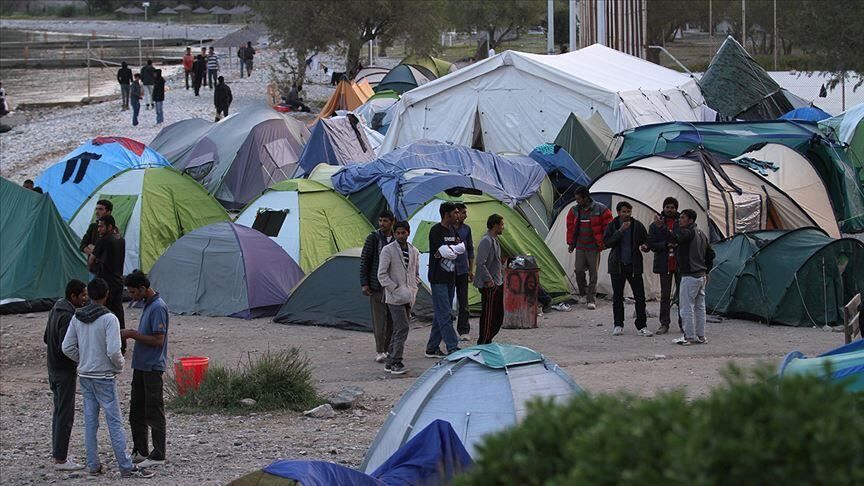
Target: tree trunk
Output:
[
  {"x": 353, "y": 60},
  {"x": 300, "y": 75}
]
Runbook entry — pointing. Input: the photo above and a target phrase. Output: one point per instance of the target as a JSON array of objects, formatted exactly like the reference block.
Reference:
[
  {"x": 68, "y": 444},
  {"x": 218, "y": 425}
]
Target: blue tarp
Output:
[
  {"x": 410, "y": 176},
  {"x": 553, "y": 157},
  {"x": 807, "y": 113},
  {"x": 73, "y": 179}
]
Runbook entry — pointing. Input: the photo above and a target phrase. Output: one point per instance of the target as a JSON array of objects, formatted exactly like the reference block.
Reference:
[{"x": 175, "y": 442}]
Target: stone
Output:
[
  {"x": 346, "y": 397},
  {"x": 248, "y": 402},
  {"x": 321, "y": 411}
]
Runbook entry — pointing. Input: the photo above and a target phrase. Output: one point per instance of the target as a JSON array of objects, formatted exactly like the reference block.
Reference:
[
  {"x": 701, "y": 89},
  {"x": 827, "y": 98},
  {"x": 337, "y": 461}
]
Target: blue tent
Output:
[
  {"x": 564, "y": 173},
  {"x": 336, "y": 141},
  {"x": 843, "y": 365},
  {"x": 807, "y": 113},
  {"x": 71, "y": 181}
]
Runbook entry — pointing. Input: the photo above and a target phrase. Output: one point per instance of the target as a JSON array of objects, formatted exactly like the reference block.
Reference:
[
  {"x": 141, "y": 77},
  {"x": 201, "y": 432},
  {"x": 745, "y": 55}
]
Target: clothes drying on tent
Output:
[
  {"x": 245, "y": 153},
  {"x": 404, "y": 78},
  {"x": 70, "y": 181},
  {"x": 372, "y": 75},
  {"x": 807, "y": 113},
  {"x": 590, "y": 142},
  {"x": 330, "y": 296},
  {"x": 349, "y": 96},
  {"x": 153, "y": 208},
  {"x": 479, "y": 391},
  {"x": 841, "y": 365},
  {"x": 40, "y": 253},
  {"x": 308, "y": 220},
  {"x": 340, "y": 140},
  {"x": 796, "y": 278},
  {"x": 178, "y": 138},
  {"x": 378, "y": 110},
  {"x": 848, "y": 128},
  {"x": 225, "y": 269}
]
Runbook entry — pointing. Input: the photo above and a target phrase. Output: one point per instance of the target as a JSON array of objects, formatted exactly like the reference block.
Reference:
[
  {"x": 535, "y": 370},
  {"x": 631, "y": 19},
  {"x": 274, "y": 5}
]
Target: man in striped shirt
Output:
[{"x": 212, "y": 68}]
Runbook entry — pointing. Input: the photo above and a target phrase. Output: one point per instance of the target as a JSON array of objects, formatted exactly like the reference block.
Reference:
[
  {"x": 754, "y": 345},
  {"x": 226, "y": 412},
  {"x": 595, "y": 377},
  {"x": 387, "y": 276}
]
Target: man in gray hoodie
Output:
[{"x": 93, "y": 341}]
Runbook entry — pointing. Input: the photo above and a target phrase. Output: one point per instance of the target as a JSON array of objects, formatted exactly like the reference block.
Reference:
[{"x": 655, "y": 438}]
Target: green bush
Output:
[
  {"x": 67, "y": 11},
  {"x": 275, "y": 380},
  {"x": 748, "y": 431}
]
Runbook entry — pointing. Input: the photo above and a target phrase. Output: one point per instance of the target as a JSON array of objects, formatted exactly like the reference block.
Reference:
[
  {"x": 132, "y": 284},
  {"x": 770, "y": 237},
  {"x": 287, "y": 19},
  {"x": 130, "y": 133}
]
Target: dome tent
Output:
[
  {"x": 848, "y": 128},
  {"x": 153, "y": 208},
  {"x": 202, "y": 274},
  {"x": 405, "y": 77},
  {"x": 340, "y": 140},
  {"x": 175, "y": 140},
  {"x": 71, "y": 181}
]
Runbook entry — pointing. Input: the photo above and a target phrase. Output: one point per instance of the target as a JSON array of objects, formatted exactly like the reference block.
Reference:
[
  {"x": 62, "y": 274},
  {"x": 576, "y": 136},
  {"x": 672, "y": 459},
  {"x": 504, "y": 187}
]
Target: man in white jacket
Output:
[
  {"x": 399, "y": 275},
  {"x": 93, "y": 341}
]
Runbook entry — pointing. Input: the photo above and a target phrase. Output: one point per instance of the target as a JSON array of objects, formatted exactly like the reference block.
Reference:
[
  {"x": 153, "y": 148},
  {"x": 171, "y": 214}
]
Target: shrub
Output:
[
  {"x": 67, "y": 11},
  {"x": 275, "y": 380},
  {"x": 747, "y": 431}
]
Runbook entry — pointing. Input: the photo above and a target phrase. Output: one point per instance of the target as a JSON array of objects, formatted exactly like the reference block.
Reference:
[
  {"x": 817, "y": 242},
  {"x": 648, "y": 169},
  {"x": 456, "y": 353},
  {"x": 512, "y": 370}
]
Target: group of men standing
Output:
[{"x": 148, "y": 84}]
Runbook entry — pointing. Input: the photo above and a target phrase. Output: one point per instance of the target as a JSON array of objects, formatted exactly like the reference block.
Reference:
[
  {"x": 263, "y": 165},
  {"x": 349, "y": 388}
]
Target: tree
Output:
[
  {"x": 665, "y": 17},
  {"x": 495, "y": 18}
]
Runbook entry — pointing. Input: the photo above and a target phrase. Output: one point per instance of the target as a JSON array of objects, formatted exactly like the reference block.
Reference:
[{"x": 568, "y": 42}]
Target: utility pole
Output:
[
  {"x": 601, "y": 22},
  {"x": 550, "y": 26},
  {"x": 710, "y": 19},
  {"x": 775, "y": 35},
  {"x": 744, "y": 23},
  {"x": 572, "y": 12}
]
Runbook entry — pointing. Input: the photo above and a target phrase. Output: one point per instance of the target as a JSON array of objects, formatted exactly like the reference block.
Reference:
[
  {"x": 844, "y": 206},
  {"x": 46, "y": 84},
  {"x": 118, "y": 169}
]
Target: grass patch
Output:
[{"x": 276, "y": 380}]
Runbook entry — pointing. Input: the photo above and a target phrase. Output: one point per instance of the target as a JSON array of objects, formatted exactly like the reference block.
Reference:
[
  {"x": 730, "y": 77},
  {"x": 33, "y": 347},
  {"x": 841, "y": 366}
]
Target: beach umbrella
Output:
[
  {"x": 167, "y": 11},
  {"x": 201, "y": 10}
]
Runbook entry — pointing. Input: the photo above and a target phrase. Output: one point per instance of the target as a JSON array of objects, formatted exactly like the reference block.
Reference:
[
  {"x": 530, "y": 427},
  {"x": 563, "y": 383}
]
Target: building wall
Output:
[{"x": 625, "y": 22}]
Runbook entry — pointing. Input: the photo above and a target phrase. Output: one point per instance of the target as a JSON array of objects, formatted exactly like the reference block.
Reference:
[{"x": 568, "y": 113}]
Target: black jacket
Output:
[
  {"x": 369, "y": 260},
  {"x": 58, "y": 323},
  {"x": 695, "y": 255},
  {"x": 222, "y": 97},
  {"x": 124, "y": 75},
  {"x": 148, "y": 75},
  {"x": 612, "y": 240},
  {"x": 657, "y": 242},
  {"x": 90, "y": 237},
  {"x": 199, "y": 68},
  {"x": 159, "y": 89}
]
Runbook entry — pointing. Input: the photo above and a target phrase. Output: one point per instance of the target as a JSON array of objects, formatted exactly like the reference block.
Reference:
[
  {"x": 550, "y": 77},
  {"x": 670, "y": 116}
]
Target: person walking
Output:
[
  {"x": 489, "y": 280},
  {"x": 627, "y": 239},
  {"x": 248, "y": 56},
  {"x": 665, "y": 262},
  {"x": 135, "y": 98},
  {"x": 695, "y": 258},
  {"x": 585, "y": 225},
  {"x": 444, "y": 246},
  {"x": 212, "y": 67},
  {"x": 93, "y": 341},
  {"x": 188, "y": 59},
  {"x": 61, "y": 373},
  {"x": 106, "y": 262},
  {"x": 148, "y": 77},
  {"x": 204, "y": 56},
  {"x": 240, "y": 57},
  {"x": 124, "y": 78},
  {"x": 464, "y": 272},
  {"x": 399, "y": 275},
  {"x": 159, "y": 96},
  {"x": 382, "y": 325},
  {"x": 199, "y": 72},
  {"x": 222, "y": 98},
  {"x": 147, "y": 406}
]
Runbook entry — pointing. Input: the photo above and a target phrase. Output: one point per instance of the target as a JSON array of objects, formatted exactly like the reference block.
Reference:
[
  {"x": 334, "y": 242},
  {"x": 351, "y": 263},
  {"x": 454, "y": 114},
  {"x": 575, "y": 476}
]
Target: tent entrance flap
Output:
[
  {"x": 122, "y": 212},
  {"x": 477, "y": 138},
  {"x": 748, "y": 212},
  {"x": 269, "y": 221}
]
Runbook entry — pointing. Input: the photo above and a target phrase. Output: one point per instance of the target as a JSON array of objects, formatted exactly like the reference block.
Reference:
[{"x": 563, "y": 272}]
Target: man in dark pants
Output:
[
  {"x": 382, "y": 323},
  {"x": 106, "y": 262},
  {"x": 124, "y": 78},
  {"x": 222, "y": 98},
  {"x": 665, "y": 262},
  {"x": 146, "y": 406},
  {"x": 490, "y": 281},
  {"x": 464, "y": 273},
  {"x": 626, "y": 239},
  {"x": 62, "y": 374}
]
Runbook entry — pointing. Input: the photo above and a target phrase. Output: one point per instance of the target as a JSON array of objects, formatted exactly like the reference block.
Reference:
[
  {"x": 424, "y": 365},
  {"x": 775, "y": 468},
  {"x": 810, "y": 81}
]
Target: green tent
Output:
[
  {"x": 519, "y": 238},
  {"x": 848, "y": 127},
  {"x": 39, "y": 252},
  {"x": 438, "y": 67},
  {"x": 589, "y": 141},
  {"x": 796, "y": 278}
]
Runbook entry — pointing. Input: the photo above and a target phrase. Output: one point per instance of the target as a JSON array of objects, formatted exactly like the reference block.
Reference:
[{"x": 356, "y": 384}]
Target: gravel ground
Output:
[{"x": 123, "y": 29}]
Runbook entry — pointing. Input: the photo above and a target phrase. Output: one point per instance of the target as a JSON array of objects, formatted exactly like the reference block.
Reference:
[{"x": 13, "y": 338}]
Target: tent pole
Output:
[{"x": 824, "y": 291}]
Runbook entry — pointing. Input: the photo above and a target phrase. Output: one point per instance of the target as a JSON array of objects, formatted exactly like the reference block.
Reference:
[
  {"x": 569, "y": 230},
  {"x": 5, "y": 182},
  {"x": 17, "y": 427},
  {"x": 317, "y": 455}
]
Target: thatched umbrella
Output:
[
  {"x": 167, "y": 11},
  {"x": 201, "y": 10}
]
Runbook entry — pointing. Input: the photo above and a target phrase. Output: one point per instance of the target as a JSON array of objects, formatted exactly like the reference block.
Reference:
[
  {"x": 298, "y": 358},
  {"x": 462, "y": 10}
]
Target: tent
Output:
[
  {"x": 589, "y": 141},
  {"x": 796, "y": 278},
  {"x": 330, "y": 296},
  {"x": 70, "y": 181},
  {"x": 564, "y": 173},
  {"x": 807, "y": 113},
  {"x": 848, "y": 128},
  {"x": 404, "y": 77},
  {"x": 479, "y": 391},
  {"x": 515, "y": 101},
  {"x": 245, "y": 153},
  {"x": 224, "y": 269},
  {"x": 153, "y": 208},
  {"x": 519, "y": 238},
  {"x": 739, "y": 88},
  {"x": 378, "y": 110},
  {"x": 349, "y": 95},
  {"x": 340, "y": 140},
  {"x": 845, "y": 365},
  {"x": 438, "y": 67},
  {"x": 308, "y": 220},
  {"x": 40, "y": 252},
  {"x": 372, "y": 75},
  {"x": 175, "y": 140}
]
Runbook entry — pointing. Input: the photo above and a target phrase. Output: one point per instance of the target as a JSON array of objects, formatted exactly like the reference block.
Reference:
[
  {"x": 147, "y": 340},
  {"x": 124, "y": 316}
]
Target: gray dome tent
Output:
[{"x": 175, "y": 140}]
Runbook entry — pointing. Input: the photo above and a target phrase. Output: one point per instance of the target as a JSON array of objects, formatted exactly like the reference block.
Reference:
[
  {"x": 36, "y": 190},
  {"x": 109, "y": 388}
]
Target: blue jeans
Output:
[
  {"x": 136, "y": 108},
  {"x": 212, "y": 74},
  {"x": 442, "y": 322},
  {"x": 159, "y": 115},
  {"x": 102, "y": 393}
]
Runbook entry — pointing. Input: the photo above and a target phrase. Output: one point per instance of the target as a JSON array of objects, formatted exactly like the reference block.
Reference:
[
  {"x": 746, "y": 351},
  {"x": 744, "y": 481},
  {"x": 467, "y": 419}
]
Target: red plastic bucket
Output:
[{"x": 189, "y": 372}]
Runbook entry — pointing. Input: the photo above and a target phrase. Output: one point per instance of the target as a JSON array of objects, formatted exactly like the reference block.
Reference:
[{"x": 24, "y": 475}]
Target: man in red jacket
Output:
[
  {"x": 188, "y": 59},
  {"x": 585, "y": 225}
]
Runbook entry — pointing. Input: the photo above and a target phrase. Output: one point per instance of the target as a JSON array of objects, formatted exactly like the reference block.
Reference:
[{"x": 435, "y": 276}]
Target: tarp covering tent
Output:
[
  {"x": 438, "y": 67},
  {"x": 479, "y": 390},
  {"x": 515, "y": 101},
  {"x": 378, "y": 110},
  {"x": 372, "y": 75},
  {"x": 70, "y": 181},
  {"x": 348, "y": 96},
  {"x": 329, "y": 296},
  {"x": 519, "y": 238},
  {"x": 564, "y": 173},
  {"x": 153, "y": 208},
  {"x": 848, "y": 127},
  {"x": 842, "y": 365},
  {"x": 796, "y": 278},
  {"x": 308, "y": 220},
  {"x": 589, "y": 141},
  {"x": 739, "y": 88},
  {"x": 432, "y": 457},
  {"x": 807, "y": 113},
  {"x": 340, "y": 140},
  {"x": 178, "y": 138},
  {"x": 404, "y": 78},
  {"x": 245, "y": 153},
  {"x": 225, "y": 269},
  {"x": 39, "y": 251}
]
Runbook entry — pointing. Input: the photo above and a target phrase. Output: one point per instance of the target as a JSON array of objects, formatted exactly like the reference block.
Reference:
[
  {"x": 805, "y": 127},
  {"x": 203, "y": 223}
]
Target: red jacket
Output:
[{"x": 600, "y": 217}]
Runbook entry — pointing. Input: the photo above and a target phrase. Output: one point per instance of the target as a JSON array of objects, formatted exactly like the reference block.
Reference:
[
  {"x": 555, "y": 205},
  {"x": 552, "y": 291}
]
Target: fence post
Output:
[
  {"x": 88, "y": 68},
  {"x": 140, "y": 58}
]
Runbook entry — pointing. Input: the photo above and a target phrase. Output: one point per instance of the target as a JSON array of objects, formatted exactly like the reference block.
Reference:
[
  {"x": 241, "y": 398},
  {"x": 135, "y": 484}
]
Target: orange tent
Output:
[{"x": 348, "y": 96}]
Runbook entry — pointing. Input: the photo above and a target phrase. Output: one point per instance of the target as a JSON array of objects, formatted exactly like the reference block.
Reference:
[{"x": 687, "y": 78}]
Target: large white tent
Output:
[{"x": 515, "y": 101}]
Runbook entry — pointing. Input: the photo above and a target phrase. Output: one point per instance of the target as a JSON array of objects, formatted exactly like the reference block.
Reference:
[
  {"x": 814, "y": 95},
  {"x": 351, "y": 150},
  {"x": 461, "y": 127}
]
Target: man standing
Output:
[
  {"x": 203, "y": 55},
  {"x": 444, "y": 246},
  {"x": 147, "y": 408},
  {"x": 199, "y": 72},
  {"x": 626, "y": 239},
  {"x": 399, "y": 275},
  {"x": 61, "y": 373},
  {"x": 148, "y": 77},
  {"x": 240, "y": 56},
  {"x": 222, "y": 98},
  {"x": 464, "y": 264},
  {"x": 106, "y": 262},
  {"x": 665, "y": 262},
  {"x": 188, "y": 59},
  {"x": 382, "y": 324},
  {"x": 135, "y": 98},
  {"x": 248, "y": 56},
  {"x": 93, "y": 341},
  {"x": 124, "y": 77},
  {"x": 585, "y": 225},
  {"x": 212, "y": 67},
  {"x": 489, "y": 281},
  {"x": 695, "y": 258},
  {"x": 159, "y": 95}
]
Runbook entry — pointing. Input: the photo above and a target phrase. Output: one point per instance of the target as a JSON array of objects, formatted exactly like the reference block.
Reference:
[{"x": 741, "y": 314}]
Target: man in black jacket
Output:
[
  {"x": 106, "y": 262},
  {"x": 222, "y": 98},
  {"x": 199, "y": 72},
  {"x": 159, "y": 95},
  {"x": 665, "y": 262},
  {"x": 382, "y": 325},
  {"x": 88, "y": 242},
  {"x": 148, "y": 78},
  {"x": 124, "y": 77},
  {"x": 62, "y": 373},
  {"x": 626, "y": 239}
]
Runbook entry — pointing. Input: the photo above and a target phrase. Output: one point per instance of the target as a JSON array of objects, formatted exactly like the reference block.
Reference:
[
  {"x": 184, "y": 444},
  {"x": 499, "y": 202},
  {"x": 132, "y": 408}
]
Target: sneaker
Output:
[
  {"x": 387, "y": 368},
  {"x": 434, "y": 353},
  {"x": 645, "y": 332},
  {"x": 69, "y": 465},
  {"x": 137, "y": 472},
  {"x": 701, "y": 340},
  {"x": 683, "y": 341},
  {"x": 455, "y": 350},
  {"x": 97, "y": 472},
  {"x": 618, "y": 331},
  {"x": 562, "y": 307},
  {"x": 592, "y": 306},
  {"x": 136, "y": 457},
  {"x": 398, "y": 369},
  {"x": 380, "y": 357},
  {"x": 464, "y": 337},
  {"x": 151, "y": 462},
  {"x": 662, "y": 330}
]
